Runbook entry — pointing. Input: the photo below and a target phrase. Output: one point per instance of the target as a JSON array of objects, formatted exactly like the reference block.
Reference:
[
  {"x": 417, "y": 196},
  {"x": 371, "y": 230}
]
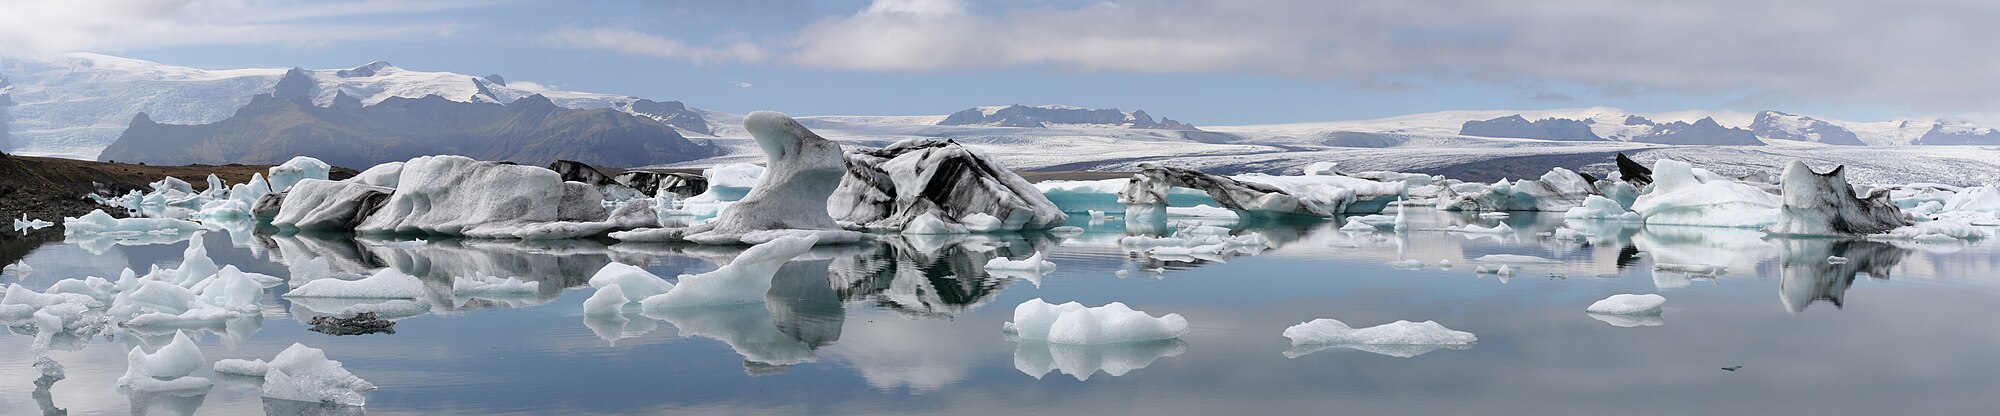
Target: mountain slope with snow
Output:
[{"x": 74, "y": 105}]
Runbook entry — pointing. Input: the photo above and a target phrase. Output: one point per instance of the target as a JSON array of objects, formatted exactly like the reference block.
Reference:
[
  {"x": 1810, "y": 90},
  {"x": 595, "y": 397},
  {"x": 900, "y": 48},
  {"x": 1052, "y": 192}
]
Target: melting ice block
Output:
[
  {"x": 1333, "y": 332},
  {"x": 1683, "y": 195},
  {"x": 166, "y": 369},
  {"x": 386, "y": 284},
  {"x": 1628, "y": 304},
  {"x": 744, "y": 280},
  {"x": 1074, "y": 324},
  {"x": 304, "y": 374},
  {"x": 609, "y": 299}
]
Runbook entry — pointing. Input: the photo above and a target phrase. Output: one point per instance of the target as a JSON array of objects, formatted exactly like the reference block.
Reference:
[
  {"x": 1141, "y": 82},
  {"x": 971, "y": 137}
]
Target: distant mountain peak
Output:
[
  {"x": 369, "y": 70},
  {"x": 1040, "y": 116}
]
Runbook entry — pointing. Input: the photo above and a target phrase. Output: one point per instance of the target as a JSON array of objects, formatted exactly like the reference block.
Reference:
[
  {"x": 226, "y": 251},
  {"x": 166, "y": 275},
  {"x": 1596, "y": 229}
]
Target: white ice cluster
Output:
[
  {"x": 304, "y": 374},
  {"x": 1074, "y": 324}
]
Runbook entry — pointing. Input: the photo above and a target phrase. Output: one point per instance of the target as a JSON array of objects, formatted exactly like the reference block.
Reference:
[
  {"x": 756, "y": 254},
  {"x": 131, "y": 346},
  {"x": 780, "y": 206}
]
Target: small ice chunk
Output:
[
  {"x": 298, "y": 169},
  {"x": 744, "y": 280},
  {"x": 248, "y": 368},
  {"x": 1513, "y": 258},
  {"x": 1628, "y": 304},
  {"x": 1498, "y": 215},
  {"x": 980, "y": 222},
  {"x": 1836, "y": 260},
  {"x": 609, "y": 299},
  {"x": 302, "y": 373},
  {"x": 177, "y": 359},
  {"x": 30, "y": 224},
  {"x": 1073, "y": 324},
  {"x": 1503, "y": 228},
  {"x": 385, "y": 284},
  {"x": 1444, "y": 264},
  {"x": 636, "y": 282},
  {"x": 1325, "y": 331},
  {"x": 1407, "y": 264},
  {"x": 1037, "y": 262}
]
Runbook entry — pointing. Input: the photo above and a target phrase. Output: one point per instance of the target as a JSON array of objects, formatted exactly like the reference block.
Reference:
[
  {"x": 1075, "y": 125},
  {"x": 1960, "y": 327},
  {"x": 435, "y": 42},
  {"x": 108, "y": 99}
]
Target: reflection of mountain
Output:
[
  {"x": 1808, "y": 277},
  {"x": 922, "y": 277}
]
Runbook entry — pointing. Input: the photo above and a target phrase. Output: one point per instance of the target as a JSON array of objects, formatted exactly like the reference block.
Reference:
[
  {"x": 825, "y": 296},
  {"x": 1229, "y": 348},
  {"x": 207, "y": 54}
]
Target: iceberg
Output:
[
  {"x": 98, "y": 222},
  {"x": 166, "y": 369},
  {"x": 1597, "y": 207},
  {"x": 494, "y": 286},
  {"x": 1558, "y": 190},
  {"x": 1331, "y": 332},
  {"x": 609, "y": 299},
  {"x": 304, "y": 374},
  {"x": 385, "y": 175},
  {"x": 635, "y": 282},
  {"x": 1513, "y": 258},
  {"x": 319, "y": 204},
  {"x": 630, "y": 215},
  {"x": 455, "y": 195},
  {"x": 385, "y": 284},
  {"x": 1101, "y": 196},
  {"x": 1036, "y": 263},
  {"x": 1151, "y": 186},
  {"x": 1823, "y": 204},
  {"x": 744, "y": 280},
  {"x": 25, "y": 224},
  {"x": 1074, "y": 324},
  {"x": 1683, "y": 195},
  {"x": 284, "y": 175},
  {"x": 891, "y": 187},
  {"x": 1628, "y": 304},
  {"x": 790, "y": 199}
]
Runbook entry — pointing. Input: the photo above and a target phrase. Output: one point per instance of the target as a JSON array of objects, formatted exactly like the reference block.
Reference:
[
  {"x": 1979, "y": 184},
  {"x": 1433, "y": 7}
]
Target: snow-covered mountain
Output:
[
  {"x": 1630, "y": 128},
  {"x": 1058, "y": 116},
  {"x": 1778, "y": 125},
  {"x": 76, "y": 104}
]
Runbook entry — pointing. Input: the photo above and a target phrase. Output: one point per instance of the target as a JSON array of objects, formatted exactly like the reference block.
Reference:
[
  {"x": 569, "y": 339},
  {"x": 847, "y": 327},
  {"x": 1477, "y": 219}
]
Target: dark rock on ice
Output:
[
  {"x": 889, "y": 188},
  {"x": 1632, "y": 172},
  {"x": 359, "y": 324}
]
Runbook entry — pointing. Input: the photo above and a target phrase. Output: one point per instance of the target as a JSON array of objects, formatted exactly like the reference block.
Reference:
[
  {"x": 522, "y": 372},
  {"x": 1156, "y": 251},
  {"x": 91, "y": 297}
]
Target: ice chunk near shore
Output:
[
  {"x": 304, "y": 374},
  {"x": 744, "y": 280},
  {"x": 1684, "y": 195},
  {"x": 300, "y": 168},
  {"x": 1400, "y": 339},
  {"x": 1600, "y": 208},
  {"x": 1628, "y": 304},
  {"x": 889, "y": 188},
  {"x": 319, "y": 204},
  {"x": 30, "y": 224},
  {"x": 98, "y": 222},
  {"x": 387, "y": 283},
  {"x": 1823, "y": 204},
  {"x": 1074, "y": 324},
  {"x": 789, "y": 200},
  {"x": 166, "y": 369},
  {"x": 455, "y": 195}
]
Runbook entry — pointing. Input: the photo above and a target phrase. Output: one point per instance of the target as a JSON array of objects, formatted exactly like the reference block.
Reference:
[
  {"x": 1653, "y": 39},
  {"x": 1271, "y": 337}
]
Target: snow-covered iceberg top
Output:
[
  {"x": 1684, "y": 195},
  {"x": 1628, "y": 304}
]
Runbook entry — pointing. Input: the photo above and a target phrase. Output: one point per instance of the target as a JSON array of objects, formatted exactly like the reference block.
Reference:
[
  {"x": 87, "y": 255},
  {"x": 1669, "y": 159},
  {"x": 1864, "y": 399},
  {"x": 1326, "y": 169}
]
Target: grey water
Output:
[{"x": 912, "y": 325}]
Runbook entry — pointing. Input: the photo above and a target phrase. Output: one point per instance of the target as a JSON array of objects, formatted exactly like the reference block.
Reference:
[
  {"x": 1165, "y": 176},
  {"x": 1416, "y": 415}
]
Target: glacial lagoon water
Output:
[{"x": 913, "y": 326}]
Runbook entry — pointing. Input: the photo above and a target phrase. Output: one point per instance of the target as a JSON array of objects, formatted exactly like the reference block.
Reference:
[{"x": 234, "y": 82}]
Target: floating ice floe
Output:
[
  {"x": 98, "y": 222},
  {"x": 1941, "y": 231},
  {"x": 744, "y": 280},
  {"x": 304, "y": 374},
  {"x": 1035, "y": 263},
  {"x": 387, "y": 283},
  {"x": 1074, "y": 324},
  {"x": 1513, "y": 258},
  {"x": 789, "y": 200},
  {"x": 1406, "y": 264},
  {"x": 1101, "y": 196},
  {"x": 166, "y": 369},
  {"x": 1400, "y": 339},
  {"x": 1558, "y": 190},
  {"x": 1503, "y": 271},
  {"x": 891, "y": 187},
  {"x": 1600, "y": 208},
  {"x": 634, "y": 282},
  {"x": 1628, "y": 304},
  {"x": 1836, "y": 260}
]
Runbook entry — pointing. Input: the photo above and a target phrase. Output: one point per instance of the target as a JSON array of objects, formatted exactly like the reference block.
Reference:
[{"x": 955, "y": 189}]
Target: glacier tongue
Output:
[{"x": 892, "y": 187}]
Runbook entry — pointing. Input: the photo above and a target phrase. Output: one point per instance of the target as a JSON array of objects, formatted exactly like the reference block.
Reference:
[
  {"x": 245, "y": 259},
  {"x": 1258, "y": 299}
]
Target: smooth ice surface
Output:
[
  {"x": 301, "y": 373},
  {"x": 609, "y": 299},
  {"x": 744, "y": 280},
  {"x": 455, "y": 195},
  {"x": 285, "y": 175},
  {"x": 1628, "y": 304},
  {"x": 1036, "y": 262},
  {"x": 384, "y": 284},
  {"x": 175, "y": 360},
  {"x": 1684, "y": 195},
  {"x": 1074, "y": 324},
  {"x": 634, "y": 281},
  {"x": 1331, "y": 331},
  {"x": 1597, "y": 207}
]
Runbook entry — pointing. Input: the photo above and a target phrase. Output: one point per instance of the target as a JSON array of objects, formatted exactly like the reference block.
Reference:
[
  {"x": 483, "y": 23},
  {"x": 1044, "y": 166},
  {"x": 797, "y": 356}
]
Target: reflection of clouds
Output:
[
  {"x": 1738, "y": 249},
  {"x": 746, "y": 328},
  {"x": 891, "y": 351},
  {"x": 1037, "y": 358}
]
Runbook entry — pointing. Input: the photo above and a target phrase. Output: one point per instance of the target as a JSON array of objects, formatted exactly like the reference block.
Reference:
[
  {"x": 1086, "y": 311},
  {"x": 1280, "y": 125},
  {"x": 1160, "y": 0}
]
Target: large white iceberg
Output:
[
  {"x": 790, "y": 198},
  {"x": 319, "y": 204},
  {"x": 1684, "y": 195},
  {"x": 1074, "y": 324},
  {"x": 455, "y": 195}
]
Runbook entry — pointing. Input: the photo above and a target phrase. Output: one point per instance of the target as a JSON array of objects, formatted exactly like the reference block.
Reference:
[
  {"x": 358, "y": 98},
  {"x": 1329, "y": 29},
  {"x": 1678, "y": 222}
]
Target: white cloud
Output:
[
  {"x": 632, "y": 42},
  {"x": 29, "y": 27},
  {"x": 743, "y": 84},
  {"x": 1928, "y": 53}
]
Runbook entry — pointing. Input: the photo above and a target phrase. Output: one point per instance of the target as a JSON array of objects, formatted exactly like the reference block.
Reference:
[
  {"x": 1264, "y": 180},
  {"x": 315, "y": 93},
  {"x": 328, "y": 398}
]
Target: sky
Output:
[{"x": 1209, "y": 62}]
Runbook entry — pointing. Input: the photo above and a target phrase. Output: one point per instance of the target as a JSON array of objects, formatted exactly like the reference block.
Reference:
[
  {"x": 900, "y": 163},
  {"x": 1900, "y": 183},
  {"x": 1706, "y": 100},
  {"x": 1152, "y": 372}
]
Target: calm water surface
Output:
[{"x": 914, "y": 326}]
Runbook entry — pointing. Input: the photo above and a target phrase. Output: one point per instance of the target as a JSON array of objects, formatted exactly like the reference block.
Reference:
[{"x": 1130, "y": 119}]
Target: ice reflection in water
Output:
[{"x": 920, "y": 314}]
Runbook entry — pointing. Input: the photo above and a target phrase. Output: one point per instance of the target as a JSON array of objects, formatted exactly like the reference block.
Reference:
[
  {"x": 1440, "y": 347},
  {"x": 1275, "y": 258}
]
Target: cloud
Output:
[
  {"x": 1913, "y": 54},
  {"x": 632, "y": 42},
  {"x": 743, "y": 84},
  {"x": 31, "y": 27}
]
